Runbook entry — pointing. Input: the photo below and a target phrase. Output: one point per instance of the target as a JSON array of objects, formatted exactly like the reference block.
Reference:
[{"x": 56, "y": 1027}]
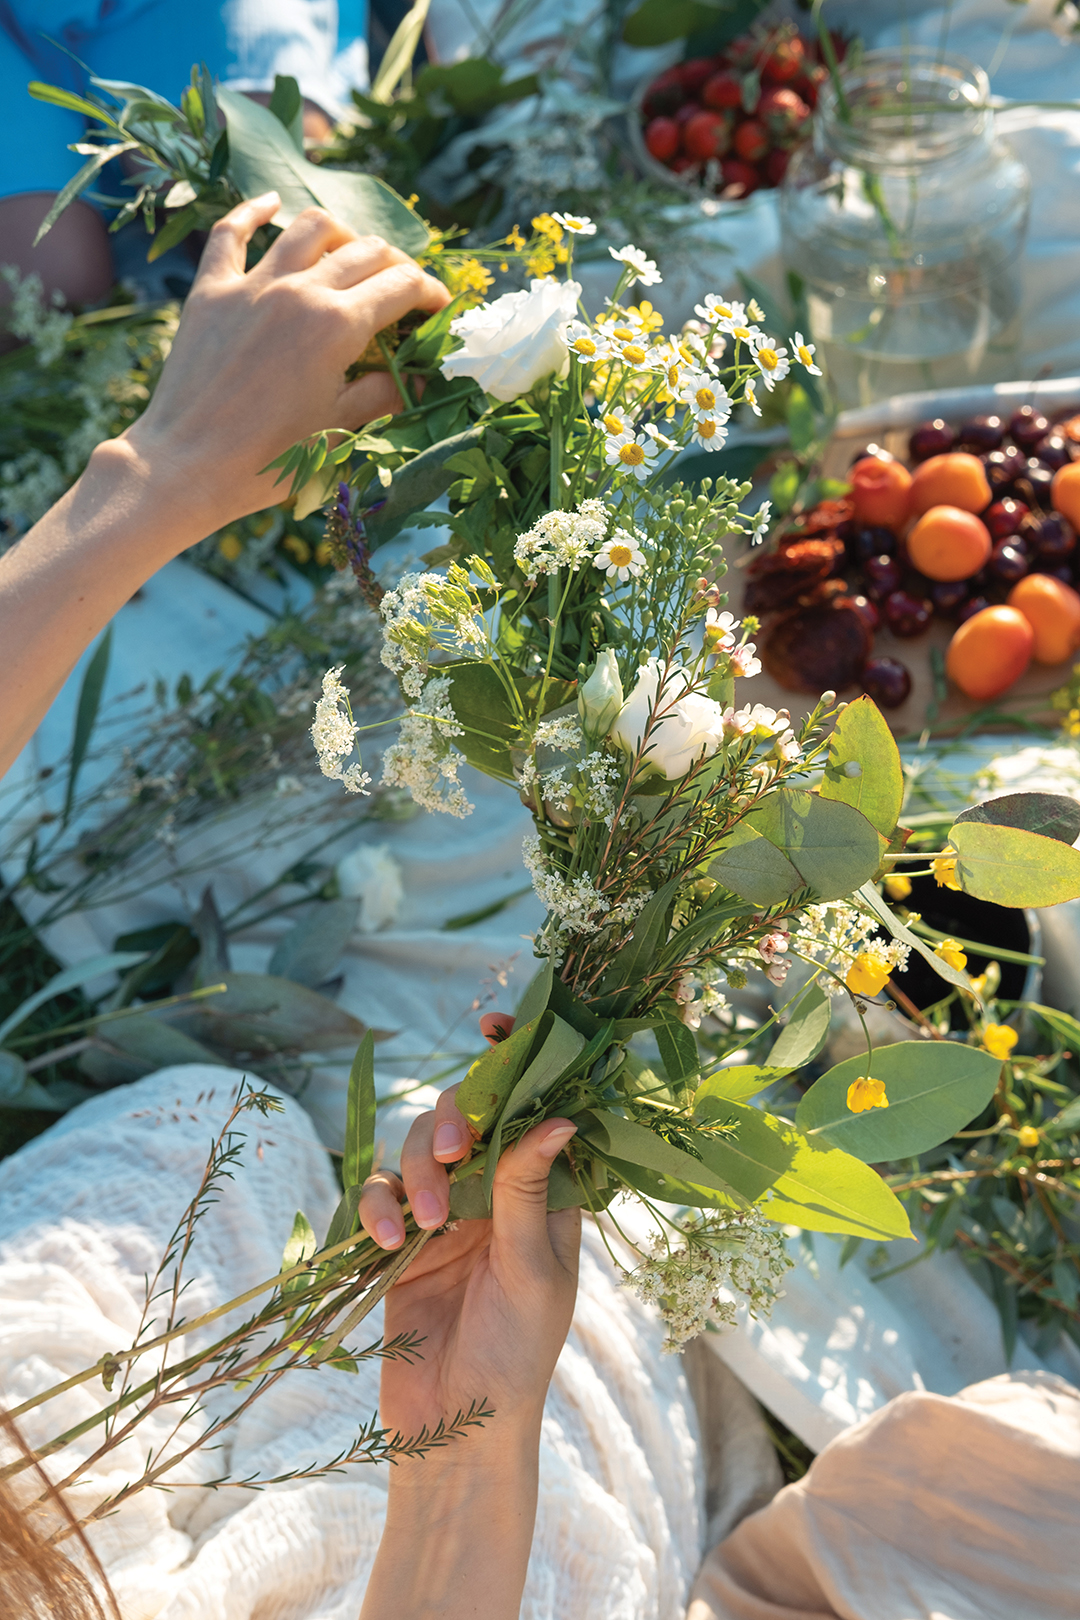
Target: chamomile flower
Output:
[
  {"x": 576, "y": 224},
  {"x": 750, "y": 396},
  {"x": 726, "y": 313},
  {"x": 637, "y": 354},
  {"x": 632, "y": 454},
  {"x": 641, "y": 269},
  {"x": 616, "y": 423},
  {"x": 760, "y": 526},
  {"x": 621, "y": 557},
  {"x": 705, "y": 396},
  {"x": 743, "y": 333},
  {"x": 804, "y": 354},
  {"x": 709, "y": 432},
  {"x": 659, "y": 437},
  {"x": 771, "y": 359},
  {"x": 586, "y": 344}
]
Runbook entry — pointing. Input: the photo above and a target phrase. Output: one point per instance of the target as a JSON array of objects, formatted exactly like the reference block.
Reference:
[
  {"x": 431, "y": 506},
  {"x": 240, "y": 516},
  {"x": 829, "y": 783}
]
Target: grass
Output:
[{"x": 25, "y": 966}]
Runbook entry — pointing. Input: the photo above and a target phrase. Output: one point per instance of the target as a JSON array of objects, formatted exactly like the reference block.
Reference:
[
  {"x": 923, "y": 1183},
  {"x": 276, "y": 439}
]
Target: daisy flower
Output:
[
  {"x": 641, "y": 269},
  {"x": 745, "y": 334},
  {"x": 706, "y": 397},
  {"x": 576, "y": 224},
  {"x": 709, "y": 432},
  {"x": 585, "y": 343},
  {"x": 804, "y": 353},
  {"x": 726, "y": 314},
  {"x": 631, "y": 454},
  {"x": 760, "y": 526},
  {"x": 771, "y": 359},
  {"x": 616, "y": 423},
  {"x": 660, "y": 438},
  {"x": 621, "y": 556},
  {"x": 750, "y": 396}
]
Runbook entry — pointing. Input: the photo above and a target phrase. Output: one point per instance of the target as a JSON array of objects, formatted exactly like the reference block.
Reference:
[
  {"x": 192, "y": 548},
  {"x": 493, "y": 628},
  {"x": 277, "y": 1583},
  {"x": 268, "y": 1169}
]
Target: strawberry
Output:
[
  {"x": 724, "y": 89},
  {"x": 740, "y": 179},
  {"x": 706, "y": 135},
  {"x": 751, "y": 140},
  {"x": 662, "y": 138}
]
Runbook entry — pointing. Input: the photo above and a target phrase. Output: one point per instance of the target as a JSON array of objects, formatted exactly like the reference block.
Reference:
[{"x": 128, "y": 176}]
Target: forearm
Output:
[
  {"x": 65, "y": 579},
  {"x": 459, "y": 1527}
]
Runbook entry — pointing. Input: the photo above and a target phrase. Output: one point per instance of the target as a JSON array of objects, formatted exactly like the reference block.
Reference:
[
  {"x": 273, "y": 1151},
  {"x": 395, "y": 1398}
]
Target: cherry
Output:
[
  {"x": 1052, "y": 537},
  {"x": 706, "y": 135},
  {"x": 947, "y": 596},
  {"x": 751, "y": 140},
  {"x": 1008, "y": 561},
  {"x": 870, "y": 540},
  {"x": 1004, "y": 518},
  {"x": 907, "y": 614},
  {"x": 1053, "y": 451},
  {"x": 724, "y": 89},
  {"x": 1038, "y": 479},
  {"x": 1002, "y": 466},
  {"x": 982, "y": 433},
  {"x": 973, "y": 605},
  {"x": 662, "y": 138},
  {"x": 931, "y": 439},
  {"x": 887, "y": 681},
  {"x": 696, "y": 73},
  {"x": 876, "y": 450},
  {"x": 867, "y": 611},
  {"x": 739, "y": 178},
  {"x": 1027, "y": 426},
  {"x": 882, "y": 575}
]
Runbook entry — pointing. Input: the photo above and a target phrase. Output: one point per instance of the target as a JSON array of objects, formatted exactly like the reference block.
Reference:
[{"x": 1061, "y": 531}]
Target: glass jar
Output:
[{"x": 904, "y": 217}]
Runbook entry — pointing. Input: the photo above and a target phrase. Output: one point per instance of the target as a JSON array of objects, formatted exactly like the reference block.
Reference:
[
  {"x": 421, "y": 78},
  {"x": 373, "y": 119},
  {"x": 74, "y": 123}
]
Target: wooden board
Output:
[{"x": 1028, "y": 697}]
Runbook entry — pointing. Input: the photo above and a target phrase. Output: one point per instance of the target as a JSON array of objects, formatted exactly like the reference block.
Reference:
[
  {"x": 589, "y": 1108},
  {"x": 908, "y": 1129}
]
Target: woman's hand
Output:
[
  {"x": 492, "y": 1301},
  {"x": 260, "y": 357}
]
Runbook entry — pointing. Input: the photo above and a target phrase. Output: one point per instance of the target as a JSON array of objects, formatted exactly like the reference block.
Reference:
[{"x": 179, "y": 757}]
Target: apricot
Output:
[
  {"x": 1065, "y": 492},
  {"x": 990, "y": 651},
  {"x": 879, "y": 492},
  {"x": 1053, "y": 611},
  {"x": 948, "y": 543},
  {"x": 955, "y": 479}
]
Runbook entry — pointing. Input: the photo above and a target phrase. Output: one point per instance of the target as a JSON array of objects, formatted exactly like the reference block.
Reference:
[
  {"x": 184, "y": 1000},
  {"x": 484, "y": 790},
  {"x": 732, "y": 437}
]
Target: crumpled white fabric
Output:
[{"x": 84, "y": 1214}]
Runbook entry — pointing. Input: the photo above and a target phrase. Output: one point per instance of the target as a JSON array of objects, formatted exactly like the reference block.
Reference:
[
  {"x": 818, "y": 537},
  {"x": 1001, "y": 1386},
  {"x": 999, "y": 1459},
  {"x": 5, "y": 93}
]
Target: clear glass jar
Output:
[{"x": 905, "y": 219}]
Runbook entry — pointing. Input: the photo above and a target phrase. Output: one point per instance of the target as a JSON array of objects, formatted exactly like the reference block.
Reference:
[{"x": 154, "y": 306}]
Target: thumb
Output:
[{"x": 520, "y": 1191}]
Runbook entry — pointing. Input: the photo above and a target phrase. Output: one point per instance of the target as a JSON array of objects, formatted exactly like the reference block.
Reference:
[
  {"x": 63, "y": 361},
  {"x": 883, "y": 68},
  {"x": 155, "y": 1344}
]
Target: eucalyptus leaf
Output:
[
  {"x": 1052, "y": 815},
  {"x": 359, "y": 1151},
  {"x": 935, "y": 1088},
  {"x": 262, "y": 157},
  {"x": 737, "y": 1083},
  {"x": 20, "y": 1090},
  {"x": 492, "y": 1078},
  {"x": 151, "y": 1041},
  {"x": 260, "y": 1014},
  {"x": 832, "y": 845},
  {"x": 753, "y": 868},
  {"x": 310, "y": 951},
  {"x": 870, "y": 897},
  {"x": 805, "y": 1033},
  {"x": 864, "y": 768},
  {"x": 1012, "y": 867},
  {"x": 415, "y": 485}
]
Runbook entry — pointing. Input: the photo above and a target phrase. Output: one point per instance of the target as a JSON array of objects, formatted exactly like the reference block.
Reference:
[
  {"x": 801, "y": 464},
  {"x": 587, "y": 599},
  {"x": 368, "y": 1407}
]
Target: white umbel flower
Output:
[
  {"x": 334, "y": 732},
  {"x": 724, "y": 1251}
]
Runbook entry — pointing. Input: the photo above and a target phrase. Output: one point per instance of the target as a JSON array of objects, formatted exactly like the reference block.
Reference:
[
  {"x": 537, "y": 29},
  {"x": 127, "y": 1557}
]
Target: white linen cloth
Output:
[{"x": 85, "y": 1211}]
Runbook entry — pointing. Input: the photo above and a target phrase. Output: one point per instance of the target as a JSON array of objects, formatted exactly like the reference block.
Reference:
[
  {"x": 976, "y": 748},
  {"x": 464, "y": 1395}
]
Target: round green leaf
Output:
[
  {"x": 935, "y": 1088},
  {"x": 832, "y": 845},
  {"x": 1013, "y": 867},
  {"x": 754, "y": 869},
  {"x": 864, "y": 766}
]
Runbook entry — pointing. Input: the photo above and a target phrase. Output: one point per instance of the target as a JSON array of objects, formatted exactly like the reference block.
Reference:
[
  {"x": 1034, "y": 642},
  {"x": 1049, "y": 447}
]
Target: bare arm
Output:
[
  {"x": 493, "y": 1301},
  {"x": 258, "y": 363}
]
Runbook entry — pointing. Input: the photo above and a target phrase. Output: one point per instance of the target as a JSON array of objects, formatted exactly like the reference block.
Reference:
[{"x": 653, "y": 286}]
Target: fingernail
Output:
[
  {"x": 556, "y": 1141},
  {"x": 387, "y": 1235},
  {"x": 448, "y": 1139},
  {"x": 427, "y": 1208},
  {"x": 267, "y": 196}
]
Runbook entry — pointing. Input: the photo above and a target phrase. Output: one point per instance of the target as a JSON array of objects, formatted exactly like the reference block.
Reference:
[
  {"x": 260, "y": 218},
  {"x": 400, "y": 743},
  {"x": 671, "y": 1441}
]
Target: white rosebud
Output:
[
  {"x": 370, "y": 874},
  {"x": 601, "y": 697},
  {"x": 687, "y": 728},
  {"x": 513, "y": 343}
]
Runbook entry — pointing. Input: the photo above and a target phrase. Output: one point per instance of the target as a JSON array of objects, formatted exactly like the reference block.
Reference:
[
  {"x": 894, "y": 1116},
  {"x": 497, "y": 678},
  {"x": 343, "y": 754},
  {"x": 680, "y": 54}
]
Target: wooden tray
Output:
[{"x": 889, "y": 424}]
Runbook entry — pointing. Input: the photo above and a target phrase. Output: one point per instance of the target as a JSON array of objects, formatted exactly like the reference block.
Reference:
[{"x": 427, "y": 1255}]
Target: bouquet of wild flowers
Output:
[{"x": 576, "y": 645}]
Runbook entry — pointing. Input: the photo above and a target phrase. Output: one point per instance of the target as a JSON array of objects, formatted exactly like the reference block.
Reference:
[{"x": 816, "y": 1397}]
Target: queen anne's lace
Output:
[
  {"x": 423, "y": 759},
  {"x": 727, "y": 1249},
  {"x": 334, "y": 733},
  {"x": 562, "y": 540}
]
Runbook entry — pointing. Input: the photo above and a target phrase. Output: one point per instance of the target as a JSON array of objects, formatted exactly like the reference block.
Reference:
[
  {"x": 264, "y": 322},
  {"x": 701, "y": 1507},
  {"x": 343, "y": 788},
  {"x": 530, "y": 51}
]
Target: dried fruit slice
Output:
[{"x": 818, "y": 648}]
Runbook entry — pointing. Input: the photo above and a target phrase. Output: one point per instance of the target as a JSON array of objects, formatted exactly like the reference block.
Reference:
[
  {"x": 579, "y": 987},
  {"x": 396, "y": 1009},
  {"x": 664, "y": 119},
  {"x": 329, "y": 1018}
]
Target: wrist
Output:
[
  {"x": 146, "y": 501},
  {"x": 499, "y": 1461}
]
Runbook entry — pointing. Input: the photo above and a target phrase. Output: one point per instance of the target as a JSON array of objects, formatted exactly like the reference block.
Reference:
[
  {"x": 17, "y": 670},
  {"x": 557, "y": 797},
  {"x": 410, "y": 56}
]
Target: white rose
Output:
[
  {"x": 600, "y": 697},
  {"x": 689, "y": 728},
  {"x": 370, "y": 874},
  {"x": 514, "y": 342}
]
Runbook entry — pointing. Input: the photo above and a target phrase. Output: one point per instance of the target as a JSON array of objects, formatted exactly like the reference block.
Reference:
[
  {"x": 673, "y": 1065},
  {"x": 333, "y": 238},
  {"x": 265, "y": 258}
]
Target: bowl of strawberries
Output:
[{"x": 725, "y": 126}]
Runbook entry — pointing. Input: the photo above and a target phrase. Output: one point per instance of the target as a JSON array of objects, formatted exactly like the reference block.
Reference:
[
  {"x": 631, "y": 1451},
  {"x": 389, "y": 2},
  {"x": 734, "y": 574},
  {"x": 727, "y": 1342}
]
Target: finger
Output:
[
  {"x": 453, "y": 1135},
  {"x": 564, "y": 1235},
  {"x": 427, "y": 1185},
  {"x": 391, "y": 293},
  {"x": 355, "y": 261},
  {"x": 303, "y": 243},
  {"x": 520, "y": 1190},
  {"x": 375, "y": 394},
  {"x": 225, "y": 253},
  {"x": 380, "y": 1209}
]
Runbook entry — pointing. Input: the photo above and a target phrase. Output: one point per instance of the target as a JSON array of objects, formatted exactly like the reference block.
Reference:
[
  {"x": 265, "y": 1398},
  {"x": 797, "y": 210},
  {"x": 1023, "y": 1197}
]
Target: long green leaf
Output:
[
  {"x": 73, "y": 103},
  {"x": 86, "y": 715},
  {"x": 95, "y": 967},
  {"x": 737, "y": 1083},
  {"x": 493, "y": 1076},
  {"x": 79, "y": 181},
  {"x": 360, "y": 1116},
  {"x": 805, "y": 1033},
  {"x": 869, "y": 895},
  {"x": 935, "y": 1088},
  {"x": 398, "y": 56},
  {"x": 611, "y": 1134},
  {"x": 632, "y": 963}
]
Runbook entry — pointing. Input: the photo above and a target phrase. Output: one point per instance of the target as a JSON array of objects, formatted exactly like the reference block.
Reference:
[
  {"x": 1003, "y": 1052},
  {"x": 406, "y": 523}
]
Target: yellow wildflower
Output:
[
  {"x": 866, "y": 1093},
  {"x": 411, "y": 202},
  {"x": 297, "y": 547},
  {"x": 999, "y": 1040},
  {"x": 546, "y": 226},
  {"x": 324, "y": 553},
  {"x": 867, "y": 974},
  {"x": 468, "y": 276},
  {"x": 562, "y": 255},
  {"x": 1027, "y": 1136},
  {"x": 649, "y": 319},
  {"x": 515, "y": 240},
  {"x": 541, "y": 262},
  {"x": 897, "y": 886},
  {"x": 945, "y": 869},
  {"x": 952, "y": 954},
  {"x": 231, "y": 546}
]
